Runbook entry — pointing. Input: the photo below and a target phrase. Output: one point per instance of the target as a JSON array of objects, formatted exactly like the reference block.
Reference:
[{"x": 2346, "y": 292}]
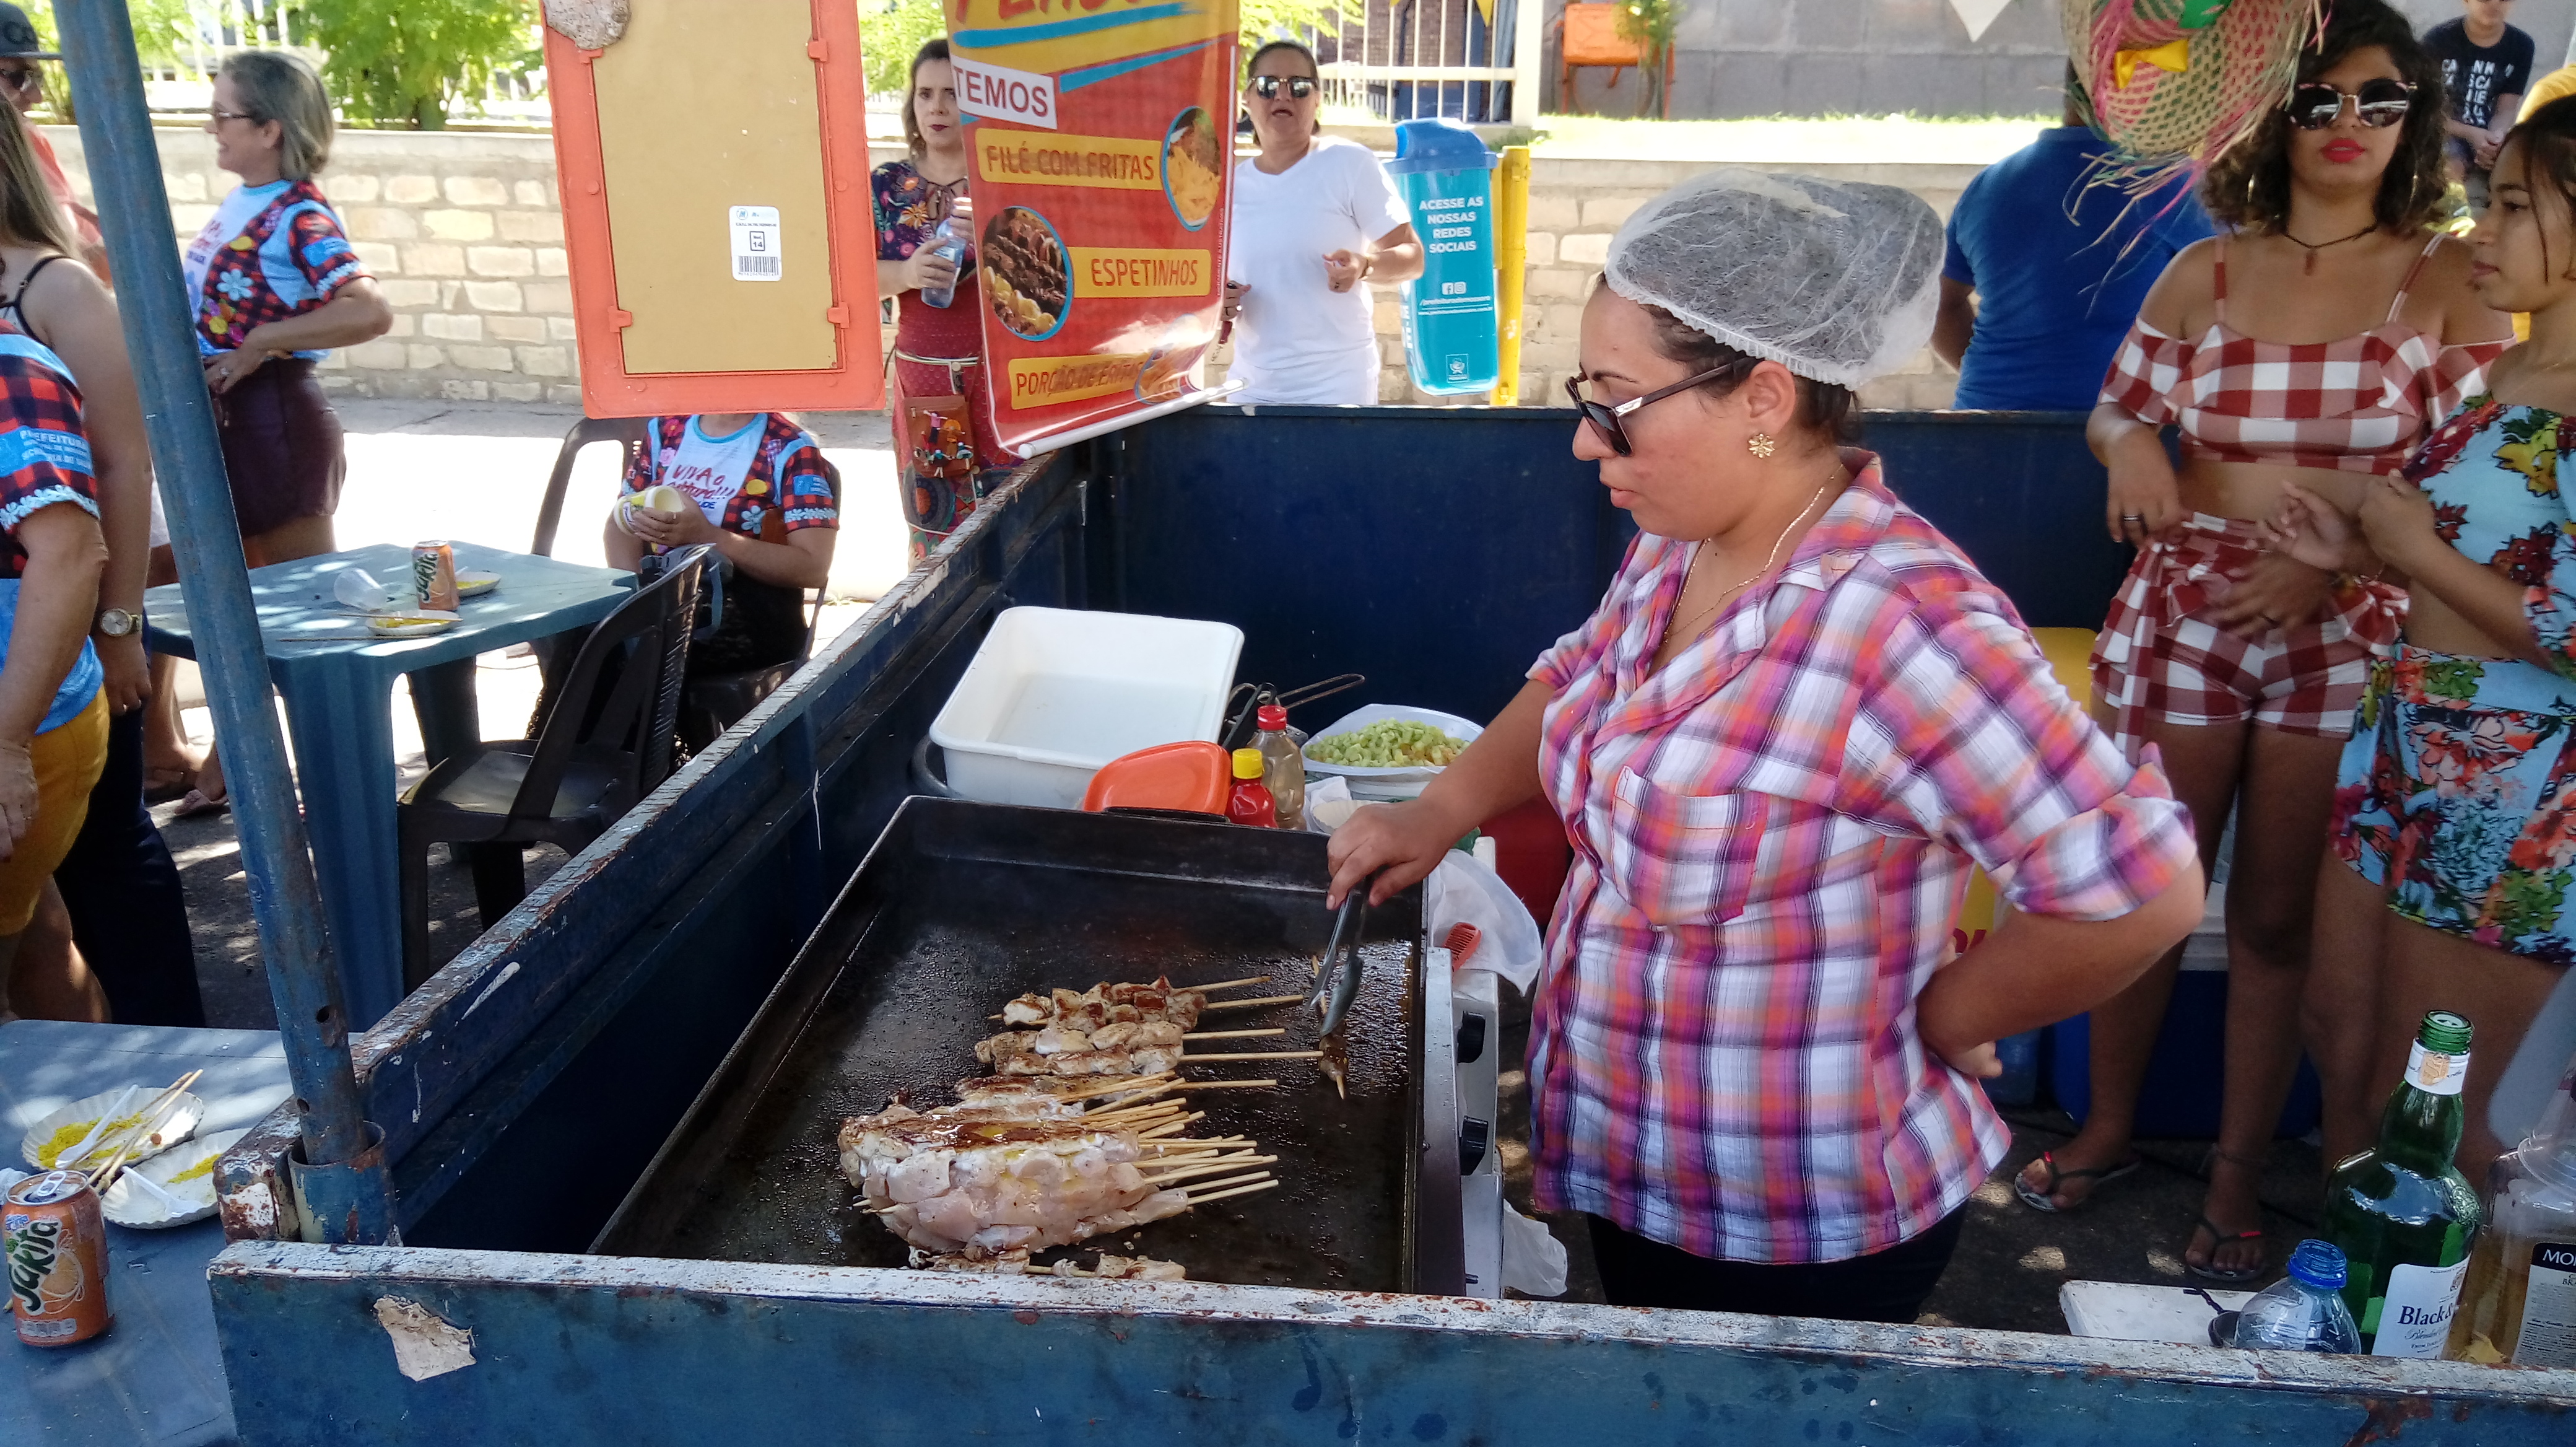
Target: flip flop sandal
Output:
[
  {"x": 160, "y": 786},
  {"x": 2218, "y": 1238},
  {"x": 197, "y": 805},
  {"x": 2100, "y": 1176}
]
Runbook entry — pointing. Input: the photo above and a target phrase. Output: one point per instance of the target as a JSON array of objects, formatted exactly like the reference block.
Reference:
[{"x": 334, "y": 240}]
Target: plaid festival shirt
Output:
[{"x": 1772, "y": 837}]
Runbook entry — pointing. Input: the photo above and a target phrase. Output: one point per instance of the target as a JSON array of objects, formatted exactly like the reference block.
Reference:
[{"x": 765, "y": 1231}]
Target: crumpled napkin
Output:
[{"x": 1533, "y": 1259}]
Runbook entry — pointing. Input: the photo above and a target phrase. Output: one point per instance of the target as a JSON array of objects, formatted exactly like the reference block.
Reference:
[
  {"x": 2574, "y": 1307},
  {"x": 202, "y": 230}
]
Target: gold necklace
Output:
[{"x": 1672, "y": 629}]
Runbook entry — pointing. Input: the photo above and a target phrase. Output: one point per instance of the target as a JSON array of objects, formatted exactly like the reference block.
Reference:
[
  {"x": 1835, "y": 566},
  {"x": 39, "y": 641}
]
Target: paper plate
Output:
[
  {"x": 475, "y": 582},
  {"x": 1369, "y": 782},
  {"x": 65, "y": 1127},
  {"x": 129, "y": 1205},
  {"x": 411, "y": 625}
]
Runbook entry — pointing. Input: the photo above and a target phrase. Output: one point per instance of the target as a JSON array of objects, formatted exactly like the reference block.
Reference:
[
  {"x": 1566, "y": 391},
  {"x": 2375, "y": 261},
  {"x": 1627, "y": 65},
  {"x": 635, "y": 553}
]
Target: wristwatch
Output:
[{"x": 115, "y": 623}]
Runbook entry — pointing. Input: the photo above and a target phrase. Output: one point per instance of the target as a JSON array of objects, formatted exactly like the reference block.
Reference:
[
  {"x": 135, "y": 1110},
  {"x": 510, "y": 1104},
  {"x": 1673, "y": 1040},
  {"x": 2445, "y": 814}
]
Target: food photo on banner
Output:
[{"x": 1098, "y": 137}]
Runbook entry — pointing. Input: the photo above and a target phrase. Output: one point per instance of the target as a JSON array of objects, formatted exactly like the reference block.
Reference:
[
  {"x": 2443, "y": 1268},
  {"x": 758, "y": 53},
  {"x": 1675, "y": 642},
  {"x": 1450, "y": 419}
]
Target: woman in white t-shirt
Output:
[{"x": 1314, "y": 217}]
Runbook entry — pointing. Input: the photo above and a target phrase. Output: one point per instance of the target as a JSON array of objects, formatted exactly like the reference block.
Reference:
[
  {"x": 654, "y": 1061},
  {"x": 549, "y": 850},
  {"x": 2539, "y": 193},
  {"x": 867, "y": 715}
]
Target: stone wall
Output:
[
  {"x": 463, "y": 231},
  {"x": 465, "y": 235}
]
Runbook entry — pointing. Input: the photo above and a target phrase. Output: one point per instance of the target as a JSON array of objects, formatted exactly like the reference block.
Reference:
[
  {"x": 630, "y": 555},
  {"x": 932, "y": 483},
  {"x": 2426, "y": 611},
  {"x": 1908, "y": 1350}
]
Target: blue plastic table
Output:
[
  {"x": 157, "y": 1376},
  {"x": 338, "y": 694}
]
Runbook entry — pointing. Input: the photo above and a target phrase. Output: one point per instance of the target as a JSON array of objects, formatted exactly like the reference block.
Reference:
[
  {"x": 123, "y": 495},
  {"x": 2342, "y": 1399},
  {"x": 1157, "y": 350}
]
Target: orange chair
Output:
[{"x": 1588, "y": 38}]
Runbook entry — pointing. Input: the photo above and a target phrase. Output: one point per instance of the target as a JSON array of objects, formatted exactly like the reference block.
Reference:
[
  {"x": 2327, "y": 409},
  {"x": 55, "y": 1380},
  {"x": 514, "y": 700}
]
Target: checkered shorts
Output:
[{"x": 2160, "y": 656}]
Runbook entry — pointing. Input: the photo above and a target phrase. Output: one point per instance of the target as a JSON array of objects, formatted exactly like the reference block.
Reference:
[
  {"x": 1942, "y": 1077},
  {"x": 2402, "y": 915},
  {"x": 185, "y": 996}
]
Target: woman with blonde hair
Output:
[
  {"x": 276, "y": 285},
  {"x": 116, "y": 890}
]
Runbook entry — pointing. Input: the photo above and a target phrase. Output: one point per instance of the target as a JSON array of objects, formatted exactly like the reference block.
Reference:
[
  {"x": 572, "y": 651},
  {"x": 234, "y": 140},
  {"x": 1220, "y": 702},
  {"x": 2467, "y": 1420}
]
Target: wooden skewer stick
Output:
[
  {"x": 1237, "y": 1191},
  {"x": 1224, "y": 984},
  {"x": 1255, "y": 1055},
  {"x": 1247, "y": 1178},
  {"x": 146, "y": 1121},
  {"x": 1235, "y": 1034},
  {"x": 1226, "y": 1163},
  {"x": 1180, "y": 1123},
  {"x": 153, "y": 1116},
  {"x": 1256, "y": 1000},
  {"x": 1130, "y": 1083},
  {"x": 1231, "y": 1084},
  {"x": 1186, "y": 1143}
]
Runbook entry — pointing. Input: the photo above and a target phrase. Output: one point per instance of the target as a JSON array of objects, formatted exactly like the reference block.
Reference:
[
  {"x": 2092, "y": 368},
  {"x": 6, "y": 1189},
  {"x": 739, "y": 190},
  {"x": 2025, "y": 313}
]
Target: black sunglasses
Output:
[
  {"x": 1299, "y": 86},
  {"x": 1605, "y": 418},
  {"x": 2379, "y": 104},
  {"x": 21, "y": 77}
]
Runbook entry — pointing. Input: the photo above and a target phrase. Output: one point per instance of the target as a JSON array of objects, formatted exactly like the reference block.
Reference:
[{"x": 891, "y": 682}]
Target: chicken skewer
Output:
[
  {"x": 1007, "y": 1177},
  {"x": 1119, "y": 1004}
]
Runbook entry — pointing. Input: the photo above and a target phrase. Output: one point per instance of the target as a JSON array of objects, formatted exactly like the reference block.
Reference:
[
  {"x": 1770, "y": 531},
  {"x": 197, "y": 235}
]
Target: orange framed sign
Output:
[
  {"x": 1100, "y": 136},
  {"x": 713, "y": 163}
]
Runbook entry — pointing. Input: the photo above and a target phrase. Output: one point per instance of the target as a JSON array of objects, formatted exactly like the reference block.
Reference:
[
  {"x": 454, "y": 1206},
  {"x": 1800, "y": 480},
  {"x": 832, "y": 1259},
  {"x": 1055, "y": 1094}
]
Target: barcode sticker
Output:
[{"x": 755, "y": 244}]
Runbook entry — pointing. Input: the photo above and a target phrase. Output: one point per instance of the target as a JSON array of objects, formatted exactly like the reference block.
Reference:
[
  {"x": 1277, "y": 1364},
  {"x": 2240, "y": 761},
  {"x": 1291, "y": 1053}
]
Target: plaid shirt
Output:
[
  {"x": 1772, "y": 837},
  {"x": 288, "y": 259},
  {"x": 44, "y": 453},
  {"x": 2355, "y": 404}
]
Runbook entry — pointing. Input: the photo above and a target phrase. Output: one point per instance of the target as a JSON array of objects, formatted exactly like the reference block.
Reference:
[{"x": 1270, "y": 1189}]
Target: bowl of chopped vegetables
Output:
[{"x": 1385, "y": 747}]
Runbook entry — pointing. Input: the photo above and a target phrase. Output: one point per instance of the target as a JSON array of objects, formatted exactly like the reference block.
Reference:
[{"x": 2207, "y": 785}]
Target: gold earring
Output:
[{"x": 1761, "y": 445}]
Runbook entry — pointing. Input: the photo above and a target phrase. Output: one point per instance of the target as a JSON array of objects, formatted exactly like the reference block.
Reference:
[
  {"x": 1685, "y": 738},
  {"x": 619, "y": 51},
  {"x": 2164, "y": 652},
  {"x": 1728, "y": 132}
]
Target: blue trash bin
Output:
[{"x": 1452, "y": 322}]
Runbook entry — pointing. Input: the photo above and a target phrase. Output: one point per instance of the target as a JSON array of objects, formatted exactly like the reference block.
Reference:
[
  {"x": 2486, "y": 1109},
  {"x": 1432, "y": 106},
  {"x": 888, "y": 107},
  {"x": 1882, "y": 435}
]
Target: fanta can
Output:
[{"x": 55, "y": 1239}]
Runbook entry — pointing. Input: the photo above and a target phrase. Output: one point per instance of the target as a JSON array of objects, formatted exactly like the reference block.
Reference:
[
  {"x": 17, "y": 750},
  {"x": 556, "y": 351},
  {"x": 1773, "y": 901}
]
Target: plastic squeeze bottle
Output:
[
  {"x": 1283, "y": 766},
  {"x": 2520, "y": 1302},
  {"x": 2403, "y": 1214},
  {"x": 949, "y": 240},
  {"x": 1250, "y": 803},
  {"x": 2303, "y": 1311}
]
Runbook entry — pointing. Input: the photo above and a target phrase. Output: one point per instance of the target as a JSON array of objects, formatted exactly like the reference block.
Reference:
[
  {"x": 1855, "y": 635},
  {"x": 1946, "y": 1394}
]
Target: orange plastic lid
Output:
[{"x": 1191, "y": 777}]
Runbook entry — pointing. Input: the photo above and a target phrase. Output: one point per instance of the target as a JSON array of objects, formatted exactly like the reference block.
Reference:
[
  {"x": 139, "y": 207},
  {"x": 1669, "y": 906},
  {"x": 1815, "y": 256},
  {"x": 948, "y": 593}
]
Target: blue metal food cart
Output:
[{"x": 570, "y": 1053}]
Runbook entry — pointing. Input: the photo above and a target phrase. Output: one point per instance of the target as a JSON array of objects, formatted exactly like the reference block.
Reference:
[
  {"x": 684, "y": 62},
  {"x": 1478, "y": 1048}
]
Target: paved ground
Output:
[{"x": 423, "y": 470}]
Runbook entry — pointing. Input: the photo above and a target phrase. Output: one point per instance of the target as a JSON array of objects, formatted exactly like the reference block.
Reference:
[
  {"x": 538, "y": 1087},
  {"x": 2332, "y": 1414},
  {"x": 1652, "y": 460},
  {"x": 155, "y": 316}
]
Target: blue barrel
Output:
[{"x": 1452, "y": 324}]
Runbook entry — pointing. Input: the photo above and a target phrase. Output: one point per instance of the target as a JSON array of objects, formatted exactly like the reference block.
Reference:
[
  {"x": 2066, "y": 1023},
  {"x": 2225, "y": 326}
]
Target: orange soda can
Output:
[
  {"x": 55, "y": 1239},
  {"x": 433, "y": 573}
]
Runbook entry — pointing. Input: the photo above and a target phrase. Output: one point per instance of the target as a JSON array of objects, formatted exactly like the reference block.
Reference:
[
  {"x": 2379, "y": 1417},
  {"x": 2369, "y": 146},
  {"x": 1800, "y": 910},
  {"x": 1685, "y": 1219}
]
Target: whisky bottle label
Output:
[
  {"x": 2415, "y": 1317},
  {"x": 2548, "y": 1336},
  {"x": 2435, "y": 1073}
]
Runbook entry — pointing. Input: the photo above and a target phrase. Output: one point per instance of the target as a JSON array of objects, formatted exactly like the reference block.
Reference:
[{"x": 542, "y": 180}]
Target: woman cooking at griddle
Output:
[{"x": 1796, "y": 719}]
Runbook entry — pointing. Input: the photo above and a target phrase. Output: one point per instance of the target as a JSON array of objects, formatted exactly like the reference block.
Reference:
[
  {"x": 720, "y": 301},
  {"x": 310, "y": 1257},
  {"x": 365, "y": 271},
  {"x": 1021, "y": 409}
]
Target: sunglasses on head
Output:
[
  {"x": 1605, "y": 418},
  {"x": 2316, "y": 105},
  {"x": 1299, "y": 86}
]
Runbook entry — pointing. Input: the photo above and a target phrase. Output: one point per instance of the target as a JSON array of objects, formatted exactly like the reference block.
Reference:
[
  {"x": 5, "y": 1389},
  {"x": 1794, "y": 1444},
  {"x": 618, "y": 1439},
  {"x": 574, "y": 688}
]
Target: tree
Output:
[
  {"x": 405, "y": 63},
  {"x": 1650, "y": 25}
]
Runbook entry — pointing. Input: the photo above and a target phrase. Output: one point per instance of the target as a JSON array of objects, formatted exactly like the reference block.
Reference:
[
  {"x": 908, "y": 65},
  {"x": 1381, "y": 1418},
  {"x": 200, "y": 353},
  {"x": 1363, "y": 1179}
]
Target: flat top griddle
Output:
[{"x": 960, "y": 907}]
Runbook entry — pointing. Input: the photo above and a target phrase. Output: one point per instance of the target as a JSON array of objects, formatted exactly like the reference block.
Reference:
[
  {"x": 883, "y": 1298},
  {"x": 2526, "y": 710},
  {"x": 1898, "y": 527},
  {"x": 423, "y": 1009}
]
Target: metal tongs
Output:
[
  {"x": 1340, "y": 967},
  {"x": 1242, "y": 706}
]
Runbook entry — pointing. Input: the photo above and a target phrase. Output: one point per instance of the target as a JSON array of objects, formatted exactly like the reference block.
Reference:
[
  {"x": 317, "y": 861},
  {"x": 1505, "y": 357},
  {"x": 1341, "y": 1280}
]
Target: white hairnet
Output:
[{"x": 1835, "y": 280}]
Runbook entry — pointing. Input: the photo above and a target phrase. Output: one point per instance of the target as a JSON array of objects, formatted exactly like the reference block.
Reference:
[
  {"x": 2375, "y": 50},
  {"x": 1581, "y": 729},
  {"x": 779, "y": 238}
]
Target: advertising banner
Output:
[{"x": 1100, "y": 140}]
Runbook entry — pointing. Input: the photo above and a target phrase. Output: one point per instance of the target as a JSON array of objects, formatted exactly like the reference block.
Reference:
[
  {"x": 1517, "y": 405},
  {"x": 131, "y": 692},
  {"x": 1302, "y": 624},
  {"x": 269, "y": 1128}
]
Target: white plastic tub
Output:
[{"x": 1053, "y": 694}]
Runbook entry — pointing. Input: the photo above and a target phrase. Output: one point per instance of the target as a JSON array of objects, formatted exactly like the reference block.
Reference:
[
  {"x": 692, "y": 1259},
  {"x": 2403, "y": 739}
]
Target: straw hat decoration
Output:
[{"x": 2173, "y": 83}]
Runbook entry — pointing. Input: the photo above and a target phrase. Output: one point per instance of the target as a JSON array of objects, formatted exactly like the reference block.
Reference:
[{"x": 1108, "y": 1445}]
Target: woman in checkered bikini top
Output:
[
  {"x": 2315, "y": 344},
  {"x": 2354, "y": 404}
]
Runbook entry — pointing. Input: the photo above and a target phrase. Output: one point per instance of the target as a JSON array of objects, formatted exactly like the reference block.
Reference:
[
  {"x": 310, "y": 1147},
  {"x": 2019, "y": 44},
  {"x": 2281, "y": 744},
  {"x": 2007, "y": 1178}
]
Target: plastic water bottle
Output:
[
  {"x": 949, "y": 240},
  {"x": 2303, "y": 1311},
  {"x": 1452, "y": 322}
]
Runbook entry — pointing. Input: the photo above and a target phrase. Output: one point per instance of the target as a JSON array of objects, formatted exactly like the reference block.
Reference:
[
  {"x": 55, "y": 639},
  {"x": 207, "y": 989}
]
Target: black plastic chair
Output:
[
  {"x": 627, "y": 432},
  {"x": 717, "y": 701},
  {"x": 597, "y": 755}
]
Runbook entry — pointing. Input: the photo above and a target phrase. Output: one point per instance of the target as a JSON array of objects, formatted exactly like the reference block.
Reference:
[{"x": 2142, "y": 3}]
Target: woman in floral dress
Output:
[{"x": 2455, "y": 806}]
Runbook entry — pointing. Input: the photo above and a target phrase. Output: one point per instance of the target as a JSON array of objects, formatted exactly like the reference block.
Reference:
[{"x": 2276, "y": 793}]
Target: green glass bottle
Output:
[{"x": 2402, "y": 1213}]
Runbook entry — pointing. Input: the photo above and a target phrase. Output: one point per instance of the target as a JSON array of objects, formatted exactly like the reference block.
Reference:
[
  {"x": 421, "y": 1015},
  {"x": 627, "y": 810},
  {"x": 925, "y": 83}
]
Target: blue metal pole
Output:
[{"x": 160, "y": 335}]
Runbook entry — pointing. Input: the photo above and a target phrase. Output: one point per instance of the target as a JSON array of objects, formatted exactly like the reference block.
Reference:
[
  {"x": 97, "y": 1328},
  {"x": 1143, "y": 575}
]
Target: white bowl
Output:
[
  {"x": 1383, "y": 783},
  {"x": 40, "y": 1141},
  {"x": 128, "y": 1205},
  {"x": 475, "y": 582}
]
